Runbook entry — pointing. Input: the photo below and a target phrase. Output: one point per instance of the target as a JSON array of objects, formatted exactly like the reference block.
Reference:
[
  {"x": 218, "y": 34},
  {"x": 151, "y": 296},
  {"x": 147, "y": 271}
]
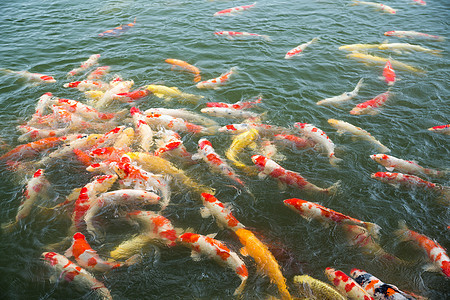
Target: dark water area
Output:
[{"x": 53, "y": 38}]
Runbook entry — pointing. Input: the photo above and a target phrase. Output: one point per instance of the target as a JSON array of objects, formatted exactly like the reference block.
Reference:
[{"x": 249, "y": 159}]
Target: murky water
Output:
[{"x": 56, "y": 37}]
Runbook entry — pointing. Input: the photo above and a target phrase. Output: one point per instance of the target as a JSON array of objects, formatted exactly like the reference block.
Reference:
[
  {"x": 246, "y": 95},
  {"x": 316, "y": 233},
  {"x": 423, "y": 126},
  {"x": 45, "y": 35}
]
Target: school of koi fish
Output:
[{"x": 136, "y": 159}]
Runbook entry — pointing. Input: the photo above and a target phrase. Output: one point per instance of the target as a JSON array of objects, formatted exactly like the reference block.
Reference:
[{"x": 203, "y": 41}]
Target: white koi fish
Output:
[
  {"x": 221, "y": 213},
  {"x": 36, "y": 77},
  {"x": 241, "y": 35},
  {"x": 92, "y": 60},
  {"x": 183, "y": 114},
  {"x": 414, "y": 35},
  {"x": 378, "y": 6},
  {"x": 320, "y": 138},
  {"x": 342, "y": 127},
  {"x": 143, "y": 130},
  {"x": 358, "y": 47},
  {"x": 230, "y": 11},
  {"x": 85, "y": 85},
  {"x": 224, "y": 112},
  {"x": 342, "y": 97},
  {"x": 392, "y": 163},
  {"x": 216, "y": 250},
  {"x": 217, "y": 82},
  {"x": 398, "y": 47},
  {"x": 299, "y": 49}
]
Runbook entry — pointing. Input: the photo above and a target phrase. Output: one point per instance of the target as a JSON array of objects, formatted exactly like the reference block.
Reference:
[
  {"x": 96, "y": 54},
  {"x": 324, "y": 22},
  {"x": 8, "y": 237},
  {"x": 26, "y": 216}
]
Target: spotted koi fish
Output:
[
  {"x": 172, "y": 143},
  {"x": 346, "y": 285},
  {"x": 293, "y": 140},
  {"x": 299, "y": 49},
  {"x": 222, "y": 215},
  {"x": 84, "y": 110},
  {"x": 389, "y": 73},
  {"x": 156, "y": 226},
  {"x": 132, "y": 96},
  {"x": 316, "y": 289},
  {"x": 92, "y": 60},
  {"x": 378, "y": 6},
  {"x": 326, "y": 216},
  {"x": 336, "y": 100},
  {"x": 117, "y": 31},
  {"x": 98, "y": 73},
  {"x": 376, "y": 288},
  {"x": 85, "y": 85},
  {"x": 370, "y": 107},
  {"x": 32, "y": 149},
  {"x": 225, "y": 112},
  {"x": 176, "y": 124},
  {"x": 36, "y": 77},
  {"x": 392, "y": 163},
  {"x": 70, "y": 272},
  {"x": 184, "y": 65},
  {"x": 209, "y": 155},
  {"x": 274, "y": 170},
  {"x": 241, "y": 35},
  {"x": 414, "y": 34},
  {"x": 319, "y": 137},
  {"x": 263, "y": 129},
  {"x": 237, "y": 105},
  {"x": 444, "y": 129},
  {"x": 110, "y": 95},
  {"x": 230, "y": 11},
  {"x": 143, "y": 130},
  {"x": 217, "y": 251},
  {"x": 34, "y": 133},
  {"x": 437, "y": 255},
  {"x": 217, "y": 82}
]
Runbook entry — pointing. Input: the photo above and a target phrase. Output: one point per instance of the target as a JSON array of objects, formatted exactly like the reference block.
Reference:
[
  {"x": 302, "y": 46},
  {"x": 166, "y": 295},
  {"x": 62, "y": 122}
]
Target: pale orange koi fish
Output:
[{"x": 184, "y": 65}]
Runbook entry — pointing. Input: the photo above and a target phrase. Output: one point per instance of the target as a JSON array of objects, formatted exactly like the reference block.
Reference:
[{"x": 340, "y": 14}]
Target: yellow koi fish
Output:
[
  {"x": 241, "y": 141},
  {"x": 264, "y": 259},
  {"x": 358, "y": 47},
  {"x": 398, "y": 47},
  {"x": 316, "y": 289},
  {"x": 376, "y": 60},
  {"x": 168, "y": 93}
]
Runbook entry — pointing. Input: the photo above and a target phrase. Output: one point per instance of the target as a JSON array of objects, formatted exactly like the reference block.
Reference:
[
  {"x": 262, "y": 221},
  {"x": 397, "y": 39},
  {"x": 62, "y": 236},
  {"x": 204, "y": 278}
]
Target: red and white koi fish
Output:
[
  {"x": 342, "y": 127},
  {"x": 299, "y": 49},
  {"x": 264, "y": 259},
  {"x": 117, "y": 88},
  {"x": 370, "y": 107},
  {"x": 117, "y": 197},
  {"x": 92, "y": 60},
  {"x": 98, "y": 73},
  {"x": 209, "y": 155},
  {"x": 336, "y": 100},
  {"x": 70, "y": 272},
  {"x": 389, "y": 74},
  {"x": 346, "y": 285},
  {"x": 233, "y": 10},
  {"x": 132, "y": 96},
  {"x": 293, "y": 140},
  {"x": 392, "y": 163},
  {"x": 377, "y": 288},
  {"x": 172, "y": 123},
  {"x": 221, "y": 213},
  {"x": 87, "y": 257},
  {"x": 117, "y": 31},
  {"x": 183, "y": 114},
  {"x": 225, "y": 112},
  {"x": 444, "y": 129},
  {"x": 216, "y": 250},
  {"x": 171, "y": 142},
  {"x": 36, "y": 77},
  {"x": 378, "y": 6},
  {"x": 156, "y": 226},
  {"x": 34, "y": 133},
  {"x": 413, "y": 34},
  {"x": 109, "y": 138},
  {"x": 263, "y": 129},
  {"x": 43, "y": 103},
  {"x": 33, "y": 149},
  {"x": 87, "y": 85},
  {"x": 397, "y": 179},
  {"x": 84, "y": 110},
  {"x": 274, "y": 170},
  {"x": 143, "y": 130},
  {"x": 326, "y": 216},
  {"x": 241, "y": 35},
  {"x": 237, "y": 105},
  {"x": 319, "y": 137},
  {"x": 420, "y": 2},
  {"x": 217, "y": 82},
  {"x": 440, "y": 262}
]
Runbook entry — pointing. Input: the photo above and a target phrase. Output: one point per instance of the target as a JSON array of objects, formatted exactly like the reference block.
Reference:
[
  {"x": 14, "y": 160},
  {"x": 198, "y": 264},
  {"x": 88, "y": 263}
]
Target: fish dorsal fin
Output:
[
  {"x": 390, "y": 168},
  {"x": 243, "y": 251},
  {"x": 205, "y": 212}
]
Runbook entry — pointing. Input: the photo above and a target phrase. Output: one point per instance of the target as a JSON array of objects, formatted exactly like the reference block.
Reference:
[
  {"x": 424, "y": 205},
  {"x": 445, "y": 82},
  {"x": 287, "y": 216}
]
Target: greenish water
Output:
[{"x": 53, "y": 38}]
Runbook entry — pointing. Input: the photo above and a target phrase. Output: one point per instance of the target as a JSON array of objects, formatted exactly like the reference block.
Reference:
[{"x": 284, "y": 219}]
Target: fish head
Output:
[
  {"x": 259, "y": 160},
  {"x": 50, "y": 257},
  {"x": 332, "y": 122}
]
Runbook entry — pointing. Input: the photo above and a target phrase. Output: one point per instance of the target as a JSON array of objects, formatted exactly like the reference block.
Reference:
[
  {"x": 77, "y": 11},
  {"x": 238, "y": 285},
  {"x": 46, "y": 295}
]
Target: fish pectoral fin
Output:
[
  {"x": 431, "y": 268},
  {"x": 196, "y": 156},
  {"x": 262, "y": 175},
  {"x": 243, "y": 251},
  {"x": 390, "y": 168},
  {"x": 281, "y": 185},
  {"x": 396, "y": 185},
  {"x": 196, "y": 256},
  {"x": 212, "y": 235},
  {"x": 68, "y": 252},
  {"x": 205, "y": 212}
]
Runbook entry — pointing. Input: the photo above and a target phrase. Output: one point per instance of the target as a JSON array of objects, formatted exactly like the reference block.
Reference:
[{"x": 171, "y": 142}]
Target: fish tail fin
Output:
[
  {"x": 9, "y": 226},
  {"x": 315, "y": 39},
  {"x": 334, "y": 161},
  {"x": 136, "y": 258},
  {"x": 197, "y": 78},
  {"x": 266, "y": 37},
  {"x": 436, "y": 52},
  {"x": 359, "y": 84},
  {"x": 6, "y": 70},
  {"x": 383, "y": 148},
  {"x": 355, "y": 2},
  {"x": 445, "y": 195},
  {"x": 374, "y": 229},
  {"x": 241, "y": 287},
  {"x": 333, "y": 189}
]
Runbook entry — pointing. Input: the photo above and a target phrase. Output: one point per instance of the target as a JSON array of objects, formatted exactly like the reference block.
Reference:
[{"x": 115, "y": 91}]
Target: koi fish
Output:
[
  {"x": 358, "y": 47},
  {"x": 319, "y": 137},
  {"x": 237, "y": 105},
  {"x": 87, "y": 257},
  {"x": 299, "y": 49},
  {"x": 264, "y": 259},
  {"x": 98, "y": 73},
  {"x": 316, "y": 289},
  {"x": 389, "y": 73},
  {"x": 156, "y": 226},
  {"x": 216, "y": 250},
  {"x": 208, "y": 154},
  {"x": 326, "y": 216},
  {"x": 293, "y": 140},
  {"x": 346, "y": 285},
  {"x": 437, "y": 255},
  {"x": 36, "y": 77},
  {"x": 86, "y": 111},
  {"x": 444, "y": 129},
  {"x": 92, "y": 60},
  {"x": 378, "y": 6},
  {"x": 376, "y": 60},
  {"x": 172, "y": 123},
  {"x": 420, "y": 2},
  {"x": 108, "y": 138},
  {"x": 342, "y": 127},
  {"x": 241, "y": 35},
  {"x": 407, "y": 47},
  {"x": 183, "y": 114},
  {"x": 271, "y": 168},
  {"x": 342, "y": 97},
  {"x": 168, "y": 93},
  {"x": 369, "y": 107},
  {"x": 129, "y": 248},
  {"x": 34, "y": 133},
  {"x": 87, "y": 85},
  {"x": 117, "y": 88},
  {"x": 241, "y": 141},
  {"x": 132, "y": 96},
  {"x": 224, "y": 112},
  {"x": 221, "y": 213},
  {"x": 70, "y": 272},
  {"x": 117, "y": 31},
  {"x": 33, "y": 148},
  {"x": 414, "y": 34},
  {"x": 143, "y": 130},
  {"x": 392, "y": 163},
  {"x": 268, "y": 149},
  {"x": 217, "y": 82},
  {"x": 184, "y": 65},
  {"x": 230, "y": 11},
  {"x": 377, "y": 288}
]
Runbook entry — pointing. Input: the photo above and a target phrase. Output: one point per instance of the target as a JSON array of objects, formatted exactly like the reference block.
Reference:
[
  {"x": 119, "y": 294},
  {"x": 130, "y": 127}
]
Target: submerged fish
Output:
[
  {"x": 376, "y": 60},
  {"x": 444, "y": 129},
  {"x": 299, "y": 49},
  {"x": 342, "y": 97},
  {"x": 414, "y": 34},
  {"x": 407, "y": 47},
  {"x": 117, "y": 30},
  {"x": 233, "y": 10},
  {"x": 392, "y": 163},
  {"x": 241, "y": 35},
  {"x": 311, "y": 287},
  {"x": 92, "y": 60},
  {"x": 369, "y": 107},
  {"x": 184, "y": 65},
  {"x": 36, "y": 77},
  {"x": 378, "y": 6}
]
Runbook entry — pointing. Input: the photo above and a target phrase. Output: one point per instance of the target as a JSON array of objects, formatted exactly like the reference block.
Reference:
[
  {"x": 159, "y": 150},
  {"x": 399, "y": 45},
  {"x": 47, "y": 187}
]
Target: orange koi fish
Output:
[
  {"x": 33, "y": 149},
  {"x": 389, "y": 73},
  {"x": 92, "y": 60},
  {"x": 117, "y": 31},
  {"x": 216, "y": 250},
  {"x": 346, "y": 285},
  {"x": 222, "y": 215},
  {"x": 369, "y": 107},
  {"x": 156, "y": 226},
  {"x": 311, "y": 210},
  {"x": 264, "y": 259},
  {"x": 444, "y": 129},
  {"x": 184, "y": 65},
  {"x": 217, "y": 82}
]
